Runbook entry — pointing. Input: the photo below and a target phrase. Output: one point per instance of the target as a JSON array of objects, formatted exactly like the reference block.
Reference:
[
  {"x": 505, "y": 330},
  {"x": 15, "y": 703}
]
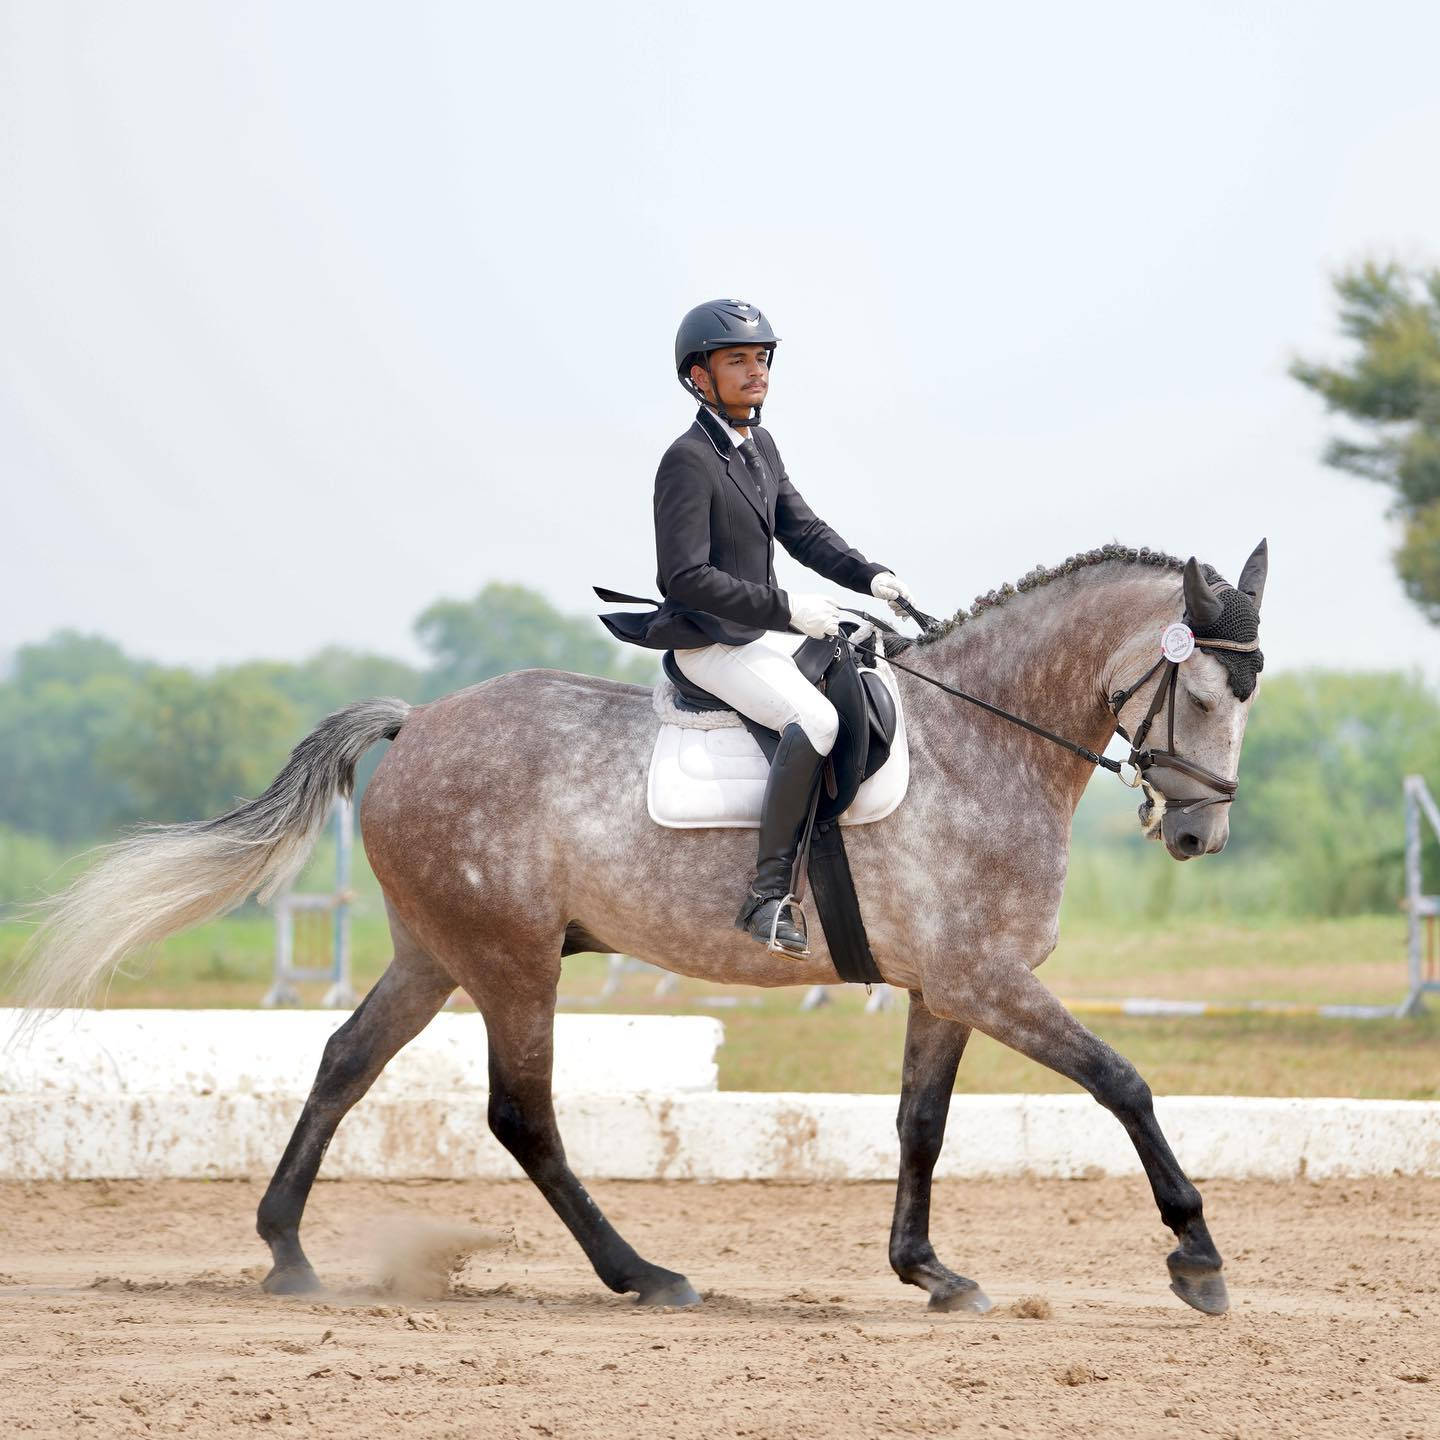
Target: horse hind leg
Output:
[
  {"x": 519, "y": 1024},
  {"x": 933, "y": 1048},
  {"x": 403, "y": 1001}
]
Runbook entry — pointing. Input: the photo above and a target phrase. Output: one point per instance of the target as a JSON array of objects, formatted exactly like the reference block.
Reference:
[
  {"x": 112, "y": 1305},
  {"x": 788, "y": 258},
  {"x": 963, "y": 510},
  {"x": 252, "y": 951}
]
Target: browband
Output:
[{"x": 1226, "y": 644}]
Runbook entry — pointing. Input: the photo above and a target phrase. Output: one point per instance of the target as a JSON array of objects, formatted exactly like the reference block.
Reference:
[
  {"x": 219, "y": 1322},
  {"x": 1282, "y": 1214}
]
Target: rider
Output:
[{"x": 722, "y": 499}]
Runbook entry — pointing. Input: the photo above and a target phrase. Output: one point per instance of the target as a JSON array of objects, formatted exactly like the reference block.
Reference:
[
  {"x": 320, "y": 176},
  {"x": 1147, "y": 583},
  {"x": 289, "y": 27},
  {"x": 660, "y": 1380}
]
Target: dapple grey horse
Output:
[{"x": 507, "y": 827}]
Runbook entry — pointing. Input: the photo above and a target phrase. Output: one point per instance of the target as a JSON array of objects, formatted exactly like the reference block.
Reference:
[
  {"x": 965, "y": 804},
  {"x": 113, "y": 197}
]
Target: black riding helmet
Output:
[{"x": 717, "y": 325}]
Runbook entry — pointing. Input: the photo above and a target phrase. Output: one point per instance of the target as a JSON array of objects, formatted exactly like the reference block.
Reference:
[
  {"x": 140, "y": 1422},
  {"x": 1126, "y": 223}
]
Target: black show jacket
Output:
[{"x": 715, "y": 530}]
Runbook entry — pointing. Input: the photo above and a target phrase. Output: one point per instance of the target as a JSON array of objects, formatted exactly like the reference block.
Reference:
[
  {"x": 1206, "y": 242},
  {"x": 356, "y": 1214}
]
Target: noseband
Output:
[{"x": 1144, "y": 760}]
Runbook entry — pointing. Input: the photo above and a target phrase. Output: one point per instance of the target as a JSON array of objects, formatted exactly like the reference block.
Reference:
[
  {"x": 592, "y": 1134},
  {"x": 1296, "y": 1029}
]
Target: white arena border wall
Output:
[{"x": 128, "y": 1094}]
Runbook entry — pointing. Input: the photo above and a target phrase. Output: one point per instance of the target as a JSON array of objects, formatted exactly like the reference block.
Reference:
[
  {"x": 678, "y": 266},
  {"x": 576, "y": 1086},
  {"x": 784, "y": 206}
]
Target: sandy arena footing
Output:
[{"x": 133, "y": 1308}]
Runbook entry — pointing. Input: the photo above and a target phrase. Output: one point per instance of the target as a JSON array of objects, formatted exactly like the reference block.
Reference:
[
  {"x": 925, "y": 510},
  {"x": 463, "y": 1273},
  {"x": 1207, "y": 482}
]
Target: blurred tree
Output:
[
  {"x": 63, "y": 698},
  {"x": 332, "y": 678},
  {"x": 1320, "y": 775},
  {"x": 1418, "y": 560},
  {"x": 70, "y": 658},
  {"x": 1392, "y": 387},
  {"x": 192, "y": 745},
  {"x": 51, "y": 733},
  {"x": 92, "y": 739},
  {"x": 509, "y": 627}
]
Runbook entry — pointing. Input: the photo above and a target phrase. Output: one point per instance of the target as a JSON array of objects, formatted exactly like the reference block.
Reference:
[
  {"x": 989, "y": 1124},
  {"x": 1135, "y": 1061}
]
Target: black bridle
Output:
[
  {"x": 1141, "y": 760},
  {"x": 1144, "y": 760}
]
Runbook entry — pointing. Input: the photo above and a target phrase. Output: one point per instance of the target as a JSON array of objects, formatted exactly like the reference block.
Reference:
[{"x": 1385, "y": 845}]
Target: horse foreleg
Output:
[
  {"x": 933, "y": 1048},
  {"x": 404, "y": 1000},
  {"x": 1008, "y": 1003},
  {"x": 520, "y": 1032}
]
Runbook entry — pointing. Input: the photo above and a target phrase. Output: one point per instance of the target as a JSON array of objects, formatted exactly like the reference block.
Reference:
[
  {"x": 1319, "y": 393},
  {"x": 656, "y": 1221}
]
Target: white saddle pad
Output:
[{"x": 706, "y": 770}]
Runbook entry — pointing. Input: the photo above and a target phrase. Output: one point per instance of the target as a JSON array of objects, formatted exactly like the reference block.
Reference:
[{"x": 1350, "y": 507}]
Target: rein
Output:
[
  {"x": 1114, "y": 766},
  {"x": 1141, "y": 760}
]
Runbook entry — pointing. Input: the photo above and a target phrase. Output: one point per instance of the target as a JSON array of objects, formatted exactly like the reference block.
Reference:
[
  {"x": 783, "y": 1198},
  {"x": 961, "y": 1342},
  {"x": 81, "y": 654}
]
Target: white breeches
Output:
[{"x": 760, "y": 680}]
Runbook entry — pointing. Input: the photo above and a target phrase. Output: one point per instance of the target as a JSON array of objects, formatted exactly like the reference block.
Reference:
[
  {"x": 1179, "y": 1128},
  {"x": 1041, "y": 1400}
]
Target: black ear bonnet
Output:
[{"x": 1239, "y": 622}]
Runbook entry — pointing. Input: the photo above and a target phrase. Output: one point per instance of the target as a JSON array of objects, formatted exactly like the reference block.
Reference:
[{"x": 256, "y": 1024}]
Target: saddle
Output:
[
  {"x": 863, "y": 701},
  {"x": 720, "y": 779}
]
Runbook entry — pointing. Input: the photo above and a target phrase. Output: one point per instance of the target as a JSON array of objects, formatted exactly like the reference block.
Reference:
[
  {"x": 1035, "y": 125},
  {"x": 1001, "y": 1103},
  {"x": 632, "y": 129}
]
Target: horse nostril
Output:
[{"x": 1189, "y": 842}]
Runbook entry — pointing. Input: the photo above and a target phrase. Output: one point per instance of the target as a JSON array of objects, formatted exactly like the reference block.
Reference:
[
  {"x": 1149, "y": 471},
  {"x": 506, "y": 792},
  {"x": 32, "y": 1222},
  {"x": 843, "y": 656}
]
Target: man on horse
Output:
[{"x": 722, "y": 499}]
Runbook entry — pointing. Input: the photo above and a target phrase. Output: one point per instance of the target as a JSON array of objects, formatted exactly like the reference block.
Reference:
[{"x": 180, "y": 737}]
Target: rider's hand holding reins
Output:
[
  {"x": 888, "y": 588},
  {"x": 815, "y": 615}
]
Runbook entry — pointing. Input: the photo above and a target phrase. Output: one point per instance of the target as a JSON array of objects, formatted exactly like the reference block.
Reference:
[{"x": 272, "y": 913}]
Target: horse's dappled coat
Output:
[{"x": 507, "y": 824}]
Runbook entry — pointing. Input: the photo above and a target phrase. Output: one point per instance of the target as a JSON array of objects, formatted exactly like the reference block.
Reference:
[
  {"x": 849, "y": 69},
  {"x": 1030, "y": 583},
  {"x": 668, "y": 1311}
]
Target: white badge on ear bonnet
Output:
[{"x": 1177, "y": 642}]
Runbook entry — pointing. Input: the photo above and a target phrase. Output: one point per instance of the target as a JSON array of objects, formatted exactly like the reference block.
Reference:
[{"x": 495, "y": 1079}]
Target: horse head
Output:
[{"x": 1201, "y": 724}]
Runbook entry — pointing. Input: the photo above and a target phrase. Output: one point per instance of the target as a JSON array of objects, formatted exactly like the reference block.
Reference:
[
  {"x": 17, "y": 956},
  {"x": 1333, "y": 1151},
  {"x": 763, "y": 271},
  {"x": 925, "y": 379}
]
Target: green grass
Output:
[
  {"x": 1359, "y": 959},
  {"x": 770, "y": 1045},
  {"x": 842, "y": 1048},
  {"x": 225, "y": 964}
]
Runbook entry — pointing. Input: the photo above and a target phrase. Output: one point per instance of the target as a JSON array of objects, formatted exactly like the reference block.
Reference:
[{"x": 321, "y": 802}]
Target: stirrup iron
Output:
[{"x": 791, "y": 903}]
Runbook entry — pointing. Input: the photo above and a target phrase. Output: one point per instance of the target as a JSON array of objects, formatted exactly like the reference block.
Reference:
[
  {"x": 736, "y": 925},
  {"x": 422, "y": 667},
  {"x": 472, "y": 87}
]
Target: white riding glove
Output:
[
  {"x": 815, "y": 615},
  {"x": 888, "y": 588}
]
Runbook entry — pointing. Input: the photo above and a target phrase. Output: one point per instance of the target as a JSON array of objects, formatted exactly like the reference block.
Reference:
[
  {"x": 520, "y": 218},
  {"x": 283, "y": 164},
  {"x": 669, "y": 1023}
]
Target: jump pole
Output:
[{"x": 1418, "y": 907}]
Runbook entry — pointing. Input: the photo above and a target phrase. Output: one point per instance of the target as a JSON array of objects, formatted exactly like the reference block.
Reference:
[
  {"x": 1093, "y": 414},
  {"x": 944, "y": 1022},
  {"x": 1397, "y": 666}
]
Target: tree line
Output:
[{"x": 93, "y": 739}]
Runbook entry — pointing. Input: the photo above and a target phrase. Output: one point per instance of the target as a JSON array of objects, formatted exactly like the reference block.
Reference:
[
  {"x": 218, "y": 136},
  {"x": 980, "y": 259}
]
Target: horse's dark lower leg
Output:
[
  {"x": 522, "y": 1115},
  {"x": 933, "y": 1048},
  {"x": 402, "y": 1003},
  {"x": 1020, "y": 1012}
]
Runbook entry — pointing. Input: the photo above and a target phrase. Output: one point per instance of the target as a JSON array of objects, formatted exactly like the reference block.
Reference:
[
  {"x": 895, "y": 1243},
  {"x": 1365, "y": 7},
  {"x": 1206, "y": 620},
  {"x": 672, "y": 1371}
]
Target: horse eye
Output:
[{"x": 1203, "y": 706}]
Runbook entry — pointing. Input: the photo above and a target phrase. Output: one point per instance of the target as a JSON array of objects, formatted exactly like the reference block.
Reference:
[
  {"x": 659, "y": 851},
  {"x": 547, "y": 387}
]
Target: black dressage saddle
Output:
[{"x": 861, "y": 699}]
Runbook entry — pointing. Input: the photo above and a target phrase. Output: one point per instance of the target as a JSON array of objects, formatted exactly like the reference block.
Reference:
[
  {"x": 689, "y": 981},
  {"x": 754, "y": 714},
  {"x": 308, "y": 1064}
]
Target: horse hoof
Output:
[
  {"x": 292, "y": 1280},
  {"x": 677, "y": 1292},
  {"x": 1199, "y": 1287},
  {"x": 974, "y": 1300}
]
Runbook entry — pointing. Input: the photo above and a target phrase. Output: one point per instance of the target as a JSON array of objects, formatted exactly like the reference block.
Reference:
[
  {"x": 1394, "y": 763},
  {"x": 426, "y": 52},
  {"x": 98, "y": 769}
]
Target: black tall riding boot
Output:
[{"x": 794, "y": 774}]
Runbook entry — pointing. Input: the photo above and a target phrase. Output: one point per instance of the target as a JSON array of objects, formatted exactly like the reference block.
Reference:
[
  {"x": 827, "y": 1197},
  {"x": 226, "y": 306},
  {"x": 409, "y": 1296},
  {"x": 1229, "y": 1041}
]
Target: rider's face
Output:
[{"x": 742, "y": 373}]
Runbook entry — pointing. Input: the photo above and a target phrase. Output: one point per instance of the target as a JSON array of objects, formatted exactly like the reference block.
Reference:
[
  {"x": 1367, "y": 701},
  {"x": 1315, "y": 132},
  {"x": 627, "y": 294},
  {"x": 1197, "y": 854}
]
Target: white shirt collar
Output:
[{"x": 736, "y": 438}]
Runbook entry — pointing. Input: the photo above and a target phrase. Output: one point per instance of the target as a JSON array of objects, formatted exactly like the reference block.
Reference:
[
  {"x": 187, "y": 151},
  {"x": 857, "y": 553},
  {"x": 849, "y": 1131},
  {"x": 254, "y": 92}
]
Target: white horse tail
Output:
[{"x": 162, "y": 879}]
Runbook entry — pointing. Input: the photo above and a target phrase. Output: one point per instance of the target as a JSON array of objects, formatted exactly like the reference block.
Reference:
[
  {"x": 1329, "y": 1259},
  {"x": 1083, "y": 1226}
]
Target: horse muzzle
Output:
[{"x": 1201, "y": 832}]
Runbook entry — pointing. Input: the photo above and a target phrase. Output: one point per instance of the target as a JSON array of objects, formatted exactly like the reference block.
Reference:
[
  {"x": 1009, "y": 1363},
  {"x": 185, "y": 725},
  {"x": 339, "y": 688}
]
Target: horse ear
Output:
[
  {"x": 1200, "y": 600},
  {"x": 1252, "y": 577}
]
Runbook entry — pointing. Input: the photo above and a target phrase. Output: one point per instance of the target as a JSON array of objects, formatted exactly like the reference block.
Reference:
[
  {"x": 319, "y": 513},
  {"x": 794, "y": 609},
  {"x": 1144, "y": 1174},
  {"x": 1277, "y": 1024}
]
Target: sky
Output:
[{"x": 311, "y": 314}]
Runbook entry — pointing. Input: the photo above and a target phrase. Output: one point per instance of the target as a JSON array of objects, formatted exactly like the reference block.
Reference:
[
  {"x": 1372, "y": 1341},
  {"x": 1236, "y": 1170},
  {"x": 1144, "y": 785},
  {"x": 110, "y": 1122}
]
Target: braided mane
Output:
[{"x": 1036, "y": 579}]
